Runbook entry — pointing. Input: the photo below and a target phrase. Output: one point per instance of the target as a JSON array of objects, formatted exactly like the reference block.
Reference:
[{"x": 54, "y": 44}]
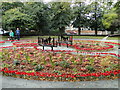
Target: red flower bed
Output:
[
  {"x": 90, "y": 45},
  {"x": 58, "y": 66},
  {"x": 113, "y": 43},
  {"x": 2, "y": 41},
  {"x": 55, "y": 76},
  {"x": 54, "y": 67},
  {"x": 19, "y": 44},
  {"x": 86, "y": 47}
]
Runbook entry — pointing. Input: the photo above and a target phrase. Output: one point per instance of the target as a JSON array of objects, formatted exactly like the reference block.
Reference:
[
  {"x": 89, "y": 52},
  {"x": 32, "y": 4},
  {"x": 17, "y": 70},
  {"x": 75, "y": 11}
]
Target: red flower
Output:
[
  {"x": 115, "y": 73},
  {"x": 48, "y": 65},
  {"x": 18, "y": 73},
  {"x": 83, "y": 75}
]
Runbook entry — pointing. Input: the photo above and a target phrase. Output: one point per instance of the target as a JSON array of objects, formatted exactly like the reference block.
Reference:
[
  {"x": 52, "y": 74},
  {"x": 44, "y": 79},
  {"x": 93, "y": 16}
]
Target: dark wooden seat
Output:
[{"x": 50, "y": 42}]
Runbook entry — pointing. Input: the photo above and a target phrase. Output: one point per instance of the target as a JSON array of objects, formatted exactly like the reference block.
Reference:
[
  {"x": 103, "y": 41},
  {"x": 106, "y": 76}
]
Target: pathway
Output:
[{"x": 10, "y": 82}]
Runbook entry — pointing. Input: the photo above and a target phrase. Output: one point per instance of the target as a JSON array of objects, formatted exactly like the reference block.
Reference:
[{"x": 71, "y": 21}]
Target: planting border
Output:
[{"x": 64, "y": 76}]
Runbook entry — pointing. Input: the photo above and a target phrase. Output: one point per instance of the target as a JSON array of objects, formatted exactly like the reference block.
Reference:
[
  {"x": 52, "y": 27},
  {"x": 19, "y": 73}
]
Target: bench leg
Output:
[
  {"x": 43, "y": 47},
  {"x": 67, "y": 45},
  {"x": 52, "y": 48}
]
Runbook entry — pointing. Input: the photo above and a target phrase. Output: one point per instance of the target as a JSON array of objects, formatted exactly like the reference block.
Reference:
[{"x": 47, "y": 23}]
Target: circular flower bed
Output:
[
  {"x": 80, "y": 45},
  {"x": 30, "y": 63},
  {"x": 90, "y": 45},
  {"x": 2, "y": 41}
]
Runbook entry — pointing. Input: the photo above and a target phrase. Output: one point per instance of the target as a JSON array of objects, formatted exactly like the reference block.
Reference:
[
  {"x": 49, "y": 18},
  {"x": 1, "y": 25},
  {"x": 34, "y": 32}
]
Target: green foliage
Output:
[
  {"x": 13, "y": 18},
  {"x": 108, "y": 19},
  {"x": 27, "y": 57},
  {"x": 39, "y": 68},
  {"x": 107, "y": 69},
  {"x": 5, "y": 65},
  {"x": 40, "y": 15},
  {"x": 24, "y": 61},
  {"x": 61, "y": 15},
  {"x": 53, "y": 17},
  {"x": 16, "y": 62},
  {"x": 91, "y": 61},
  {"x": 1, "y": 55},
  {"x": 56, "y": 63},
  {"x": 90, "y": 68},
  {"x": 117, "y": 6},
  {"x": 79, "y": 15},
  {"x": 10, "y": 5},
  {"x": 34, "y": 63},
  {"x": 75, "y": 70},
  {"x": 116, "y": 66},
  {"x": 56, "y": 71},
  {"x": 97, "y": 44},
  {"x": 82, "y": 46},
  {"x": 64, "y": 64}
]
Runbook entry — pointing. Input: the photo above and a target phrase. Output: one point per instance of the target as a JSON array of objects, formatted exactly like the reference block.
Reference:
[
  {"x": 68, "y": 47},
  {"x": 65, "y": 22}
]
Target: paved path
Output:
[{"x": 10, "y": 82}]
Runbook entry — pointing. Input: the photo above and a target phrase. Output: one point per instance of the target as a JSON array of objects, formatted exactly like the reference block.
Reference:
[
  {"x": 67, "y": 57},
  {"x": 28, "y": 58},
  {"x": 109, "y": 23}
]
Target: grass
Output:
[
  {"x": 96, "y": 37},
  {"x": 75, "y": 37}
]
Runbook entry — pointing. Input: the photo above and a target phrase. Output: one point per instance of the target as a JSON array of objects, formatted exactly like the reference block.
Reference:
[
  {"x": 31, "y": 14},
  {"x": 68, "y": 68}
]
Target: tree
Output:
[
  {"x": 13, "y": 18},
  {"x": 117, "y": 21},
  {"x": 109, "y": 20},
  {"x": 10, "y": 5},
  {"x": 80, "y": 19},
  {"x": 96, "y": 12},
  {"x": 61, "y": 15},
  {"x": 39, "y": 13}
]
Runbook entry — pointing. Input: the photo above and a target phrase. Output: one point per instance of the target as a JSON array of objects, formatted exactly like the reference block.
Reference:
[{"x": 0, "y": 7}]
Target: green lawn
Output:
[
  {"x": 75, "y": 37},
  {"x": 96, "y": 37}
]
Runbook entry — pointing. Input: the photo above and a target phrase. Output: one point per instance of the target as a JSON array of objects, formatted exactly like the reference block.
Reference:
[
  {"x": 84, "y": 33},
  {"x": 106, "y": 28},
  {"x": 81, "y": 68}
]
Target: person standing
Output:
[
  {"x": 18, "y": 34},
  {"x": 11, "y": 34}
]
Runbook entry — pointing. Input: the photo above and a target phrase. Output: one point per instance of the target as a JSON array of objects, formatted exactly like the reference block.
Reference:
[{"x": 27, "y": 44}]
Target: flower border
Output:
[{"x": 56, "y": 76}]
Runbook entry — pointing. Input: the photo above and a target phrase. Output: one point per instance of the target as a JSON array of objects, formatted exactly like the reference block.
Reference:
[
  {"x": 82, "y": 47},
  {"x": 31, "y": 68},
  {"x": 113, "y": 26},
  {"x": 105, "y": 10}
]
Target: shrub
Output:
[
  {"x": 90, "y": 68},
  {"x": 64, "y": 64},
  {"x": 107, "y": 69},
  {"x": 39, "y": 68},
  {"x": 16, "y": 62}
]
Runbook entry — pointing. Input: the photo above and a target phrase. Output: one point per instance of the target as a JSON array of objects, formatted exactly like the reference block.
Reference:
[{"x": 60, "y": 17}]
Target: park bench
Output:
[
  {"x": 51, "y": 42},
  {"x": 67, "y": 40},
  {"x": 48, "y": 42}
]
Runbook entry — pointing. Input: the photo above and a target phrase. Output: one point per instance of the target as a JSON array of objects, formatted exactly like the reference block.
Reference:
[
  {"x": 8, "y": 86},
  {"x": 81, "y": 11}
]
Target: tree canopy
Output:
[{"x": 55, "y": 16}]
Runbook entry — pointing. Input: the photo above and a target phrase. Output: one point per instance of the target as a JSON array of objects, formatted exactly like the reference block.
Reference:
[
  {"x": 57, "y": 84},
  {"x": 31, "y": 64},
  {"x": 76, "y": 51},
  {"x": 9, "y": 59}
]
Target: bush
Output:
[
  {"x": 64, "y": 64},
  {"x": 39, "y": 68},
  {"x": 90, "y": 68}
]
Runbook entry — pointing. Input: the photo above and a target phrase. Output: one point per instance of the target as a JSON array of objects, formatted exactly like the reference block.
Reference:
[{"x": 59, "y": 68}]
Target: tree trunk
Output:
[
  {"x": 96, "y": 30},
  {"x": 96, "y": 26},
  {"x": 62, "y": 30},
  {"x": 112, "y": 30},
  {"x": 79, "y": 30},
  {"x": 3, "y": 31}
]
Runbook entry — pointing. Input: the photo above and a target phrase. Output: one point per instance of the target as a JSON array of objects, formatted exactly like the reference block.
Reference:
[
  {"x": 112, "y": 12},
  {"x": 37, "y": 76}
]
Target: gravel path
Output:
[{"x": 10, "y": 82}]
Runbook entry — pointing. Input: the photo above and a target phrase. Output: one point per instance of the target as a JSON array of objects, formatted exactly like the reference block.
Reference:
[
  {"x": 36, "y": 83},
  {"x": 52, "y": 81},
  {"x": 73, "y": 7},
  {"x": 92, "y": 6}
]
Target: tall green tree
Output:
[
  {"x": 39, "y": 13},
  {"x": 61, "y": 16},
  {"x": 80, "y": 19},
  {"x": 109, "y": 20},
  {"x": 13, "y": 18},
  {"x": 96, "y": 13},
  {"x": 10, "y": 5},
  {"x": 117, "y": 21}
]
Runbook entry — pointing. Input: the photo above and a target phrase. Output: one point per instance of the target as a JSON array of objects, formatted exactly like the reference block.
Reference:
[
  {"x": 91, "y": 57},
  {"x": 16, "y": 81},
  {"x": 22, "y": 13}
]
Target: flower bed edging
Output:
[{"x": 62, "y": 77}]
